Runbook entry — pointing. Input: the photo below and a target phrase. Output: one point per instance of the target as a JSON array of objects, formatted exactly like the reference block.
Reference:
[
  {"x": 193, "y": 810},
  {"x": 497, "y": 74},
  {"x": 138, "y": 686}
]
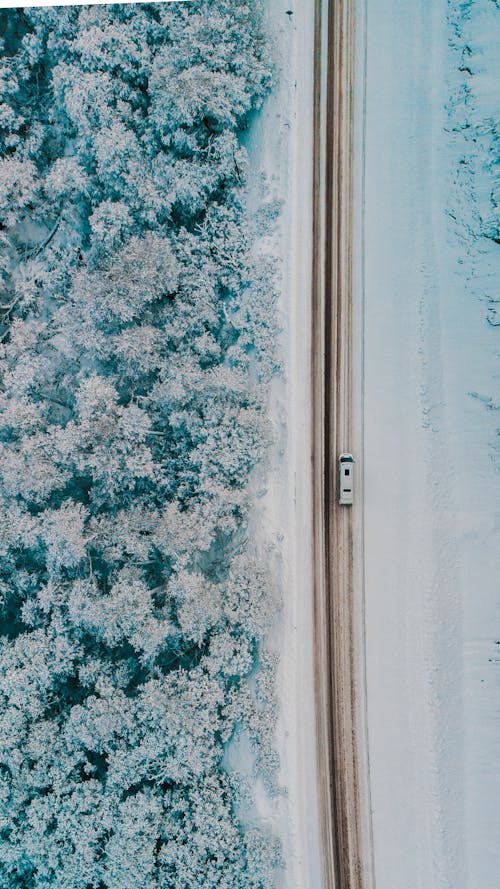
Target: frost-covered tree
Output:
[{"x": 136, "y": 347}]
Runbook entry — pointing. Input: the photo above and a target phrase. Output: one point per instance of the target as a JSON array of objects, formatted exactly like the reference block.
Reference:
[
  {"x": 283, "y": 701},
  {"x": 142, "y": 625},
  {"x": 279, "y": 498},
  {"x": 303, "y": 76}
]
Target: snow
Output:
[
  {"x": 280, "y": 148},
  {"x": 431, "y": 482},
  {"x": 9, "y": 4}
]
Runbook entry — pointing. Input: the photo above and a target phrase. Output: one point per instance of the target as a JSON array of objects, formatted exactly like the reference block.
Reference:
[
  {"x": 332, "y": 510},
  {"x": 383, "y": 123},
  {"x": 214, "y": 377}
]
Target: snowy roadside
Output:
[
  {"x": 473, "y": 334},
  {"x": 280, "y": 150},
  {"x": 431, "y": 486},
  {"x": 412, "y": 600}
]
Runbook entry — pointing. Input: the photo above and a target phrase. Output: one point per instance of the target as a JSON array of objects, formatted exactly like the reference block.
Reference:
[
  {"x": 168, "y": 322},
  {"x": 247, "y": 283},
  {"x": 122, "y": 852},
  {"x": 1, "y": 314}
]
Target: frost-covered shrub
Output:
[{"x": 136, "y": 346}]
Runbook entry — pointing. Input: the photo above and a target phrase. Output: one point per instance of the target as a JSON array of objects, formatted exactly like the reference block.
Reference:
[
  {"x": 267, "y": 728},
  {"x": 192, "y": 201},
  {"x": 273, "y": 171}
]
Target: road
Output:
[{"x": 337, "y": 531}]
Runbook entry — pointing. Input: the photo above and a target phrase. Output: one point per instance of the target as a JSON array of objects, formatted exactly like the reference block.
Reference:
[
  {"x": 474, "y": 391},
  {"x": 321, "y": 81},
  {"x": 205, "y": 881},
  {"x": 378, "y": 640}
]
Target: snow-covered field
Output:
[{"x": 432, "y": 519}]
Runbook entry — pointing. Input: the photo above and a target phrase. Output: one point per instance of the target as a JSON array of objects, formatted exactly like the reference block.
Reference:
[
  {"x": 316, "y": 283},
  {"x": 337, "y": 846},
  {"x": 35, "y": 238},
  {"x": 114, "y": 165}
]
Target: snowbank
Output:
[{"x": 280, "y": 149}]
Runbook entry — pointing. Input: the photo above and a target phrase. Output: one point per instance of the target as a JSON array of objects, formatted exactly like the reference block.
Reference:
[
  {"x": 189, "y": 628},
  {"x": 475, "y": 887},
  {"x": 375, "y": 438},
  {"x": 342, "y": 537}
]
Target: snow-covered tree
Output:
[{"x": 137, "y": 328}]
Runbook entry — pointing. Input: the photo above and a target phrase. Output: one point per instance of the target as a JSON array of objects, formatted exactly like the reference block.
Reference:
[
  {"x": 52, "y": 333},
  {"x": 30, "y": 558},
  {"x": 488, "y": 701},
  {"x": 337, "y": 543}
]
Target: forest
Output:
[{"x": 137, "y": 344}]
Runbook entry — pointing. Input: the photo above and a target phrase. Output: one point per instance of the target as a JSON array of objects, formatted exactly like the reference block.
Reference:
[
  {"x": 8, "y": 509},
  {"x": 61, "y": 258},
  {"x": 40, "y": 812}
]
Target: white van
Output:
[{"x": 346, "y": 479}]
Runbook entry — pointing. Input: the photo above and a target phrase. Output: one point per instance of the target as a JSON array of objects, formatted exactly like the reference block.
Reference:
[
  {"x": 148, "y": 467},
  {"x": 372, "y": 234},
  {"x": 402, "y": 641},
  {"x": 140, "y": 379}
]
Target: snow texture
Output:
[
  {"x": 431, "y": 441},
  {"x": 280, "y": 152}
]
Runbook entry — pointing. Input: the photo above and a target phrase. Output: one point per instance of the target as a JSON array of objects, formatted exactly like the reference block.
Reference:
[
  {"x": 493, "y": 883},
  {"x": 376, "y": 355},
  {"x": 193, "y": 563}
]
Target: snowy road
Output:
[
  {"x": 403, "y": 363},
  {"x": 337, "y": 344}
]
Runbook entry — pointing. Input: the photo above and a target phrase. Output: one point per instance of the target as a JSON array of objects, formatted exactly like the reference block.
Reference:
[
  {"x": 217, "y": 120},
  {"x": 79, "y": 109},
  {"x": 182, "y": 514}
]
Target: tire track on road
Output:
[{"x": 338, "y": 640}]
